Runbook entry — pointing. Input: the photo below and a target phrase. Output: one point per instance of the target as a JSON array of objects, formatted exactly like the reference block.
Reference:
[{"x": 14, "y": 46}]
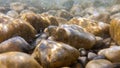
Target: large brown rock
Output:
[
  {"x": 71, "y": 34},
  {"x": 114, "y": 30},
  {"x": 112, "y": 53},
  {"x": 39, "y": 22},
  {"x": 15, "y": 44},
  {"x": 100, "y": 63},
  {"x": 17, "y": 60},
  {"x": 10, "y": 27},
  {"x": 96, "y": 28},
  {"x": 51, "y": 54}
]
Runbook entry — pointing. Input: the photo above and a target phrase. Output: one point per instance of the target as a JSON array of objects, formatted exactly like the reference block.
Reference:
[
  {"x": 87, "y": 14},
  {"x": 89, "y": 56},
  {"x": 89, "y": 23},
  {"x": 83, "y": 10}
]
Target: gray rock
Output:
[
  {"x": 99, "y": 57},
  {"x": 116, "y": 65},
  {"x": 83, "y": 52},
  {"x": 91, "y": 55},
  {"x": 13, "y": 14},
  {"x": 83, "y": 60}
]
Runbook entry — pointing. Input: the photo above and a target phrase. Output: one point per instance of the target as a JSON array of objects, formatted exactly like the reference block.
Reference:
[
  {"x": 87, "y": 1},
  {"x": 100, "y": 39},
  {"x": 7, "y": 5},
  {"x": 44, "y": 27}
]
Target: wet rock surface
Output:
[
  {"x": 101, "y": 63},
  {"x": 111, "y": 53},
  {"x": 10, "y": 27},
  {"x": 73, "y": 35},
  {"x": 39, "y": 22},
  {"x": 114, "y": 30},
  {"x": 51, "y": 54},
  {"x": 17, "y": 60},
  {"x": 15, "y": 44},
  {"x": 94, "y": 27},
  {"x": 59, "y": 34}
]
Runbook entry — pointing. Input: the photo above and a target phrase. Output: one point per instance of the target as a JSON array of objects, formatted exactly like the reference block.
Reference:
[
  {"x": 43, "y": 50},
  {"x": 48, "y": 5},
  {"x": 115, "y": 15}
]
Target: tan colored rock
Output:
[
  {"x": 17, "y": 60},
  {"x": 100, "y": 63},
  {"x": 51, "y": 54},
  {"x": 10, "y": 27},
  {"x": 114, "y": 30},
  {"x": 112, "y": 53},
  {"x": 39, "y": 22},
  {"x": 73, "y": 35},
  {"x": 96, "y": 28}
]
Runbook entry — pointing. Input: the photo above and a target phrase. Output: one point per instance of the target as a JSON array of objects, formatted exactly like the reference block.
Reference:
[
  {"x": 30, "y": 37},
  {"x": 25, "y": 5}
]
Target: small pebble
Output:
[
  {"x": 83, "y": 52},
  {"x": 83, "y": 60},
  {"x": 91, "y": 55}
]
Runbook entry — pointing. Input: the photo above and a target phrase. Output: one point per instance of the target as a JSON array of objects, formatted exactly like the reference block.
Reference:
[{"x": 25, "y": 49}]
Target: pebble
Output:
[
  {"x": 83, "y": 60},
  {"x": 91, "y": 55}
]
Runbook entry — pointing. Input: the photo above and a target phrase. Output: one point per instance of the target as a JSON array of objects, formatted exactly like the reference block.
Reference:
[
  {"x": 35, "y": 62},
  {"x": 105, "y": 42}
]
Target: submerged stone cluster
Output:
[{"x": 79, "y": 36}]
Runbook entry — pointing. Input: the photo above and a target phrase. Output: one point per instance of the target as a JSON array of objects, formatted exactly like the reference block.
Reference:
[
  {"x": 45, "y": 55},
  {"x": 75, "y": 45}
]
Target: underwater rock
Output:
[
  {"x": 61, "y": 20},
  {"x": 71, "y": 34},
  {"x": 17, "y": 6},
  {"x": 51, "y": 54},
  {"x": 13, "y": 14},
  {"x": 15, "y": 44},
  {"x": 40, "y": 38},
  {"x": 112, "y": 53},
  {"x": 39, "y": 22},
  {"x": 64, "y": 14},
  {"x": 76, "y": 65},
  {"x": 33, "y": 9},
  {"x": 25, "y": 12},
  {"x": 96, "y": 28},
  {"x": 83, "y": 52},
  {"x": 17, "y": 60},
  {"x": 76, "y": 10},
  {"x": 91, "y": 55},
  {"x": 116, "y": 15},
  {"x": 68, "y": 4},
  {"x": 90, "y": 10},
  {"x": 99, "y": 57},
  {"x": 100, "y": 63},
  {"x": 114, "y": 9},
  {"x": 4, "y": 9},
  {"x": 101, "y": 17},
  {"x": 10, "y": 27},
  {"x": 83, "y": 60},
  {"x": 50, "y": 12},
  {"x": 114, "y": 30},
  {"x": 99, "y": 43}
]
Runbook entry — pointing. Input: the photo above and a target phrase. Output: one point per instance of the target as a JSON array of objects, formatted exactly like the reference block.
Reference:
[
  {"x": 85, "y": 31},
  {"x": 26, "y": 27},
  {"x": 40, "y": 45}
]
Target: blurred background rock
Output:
[{"x": 44, "y": 5}]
